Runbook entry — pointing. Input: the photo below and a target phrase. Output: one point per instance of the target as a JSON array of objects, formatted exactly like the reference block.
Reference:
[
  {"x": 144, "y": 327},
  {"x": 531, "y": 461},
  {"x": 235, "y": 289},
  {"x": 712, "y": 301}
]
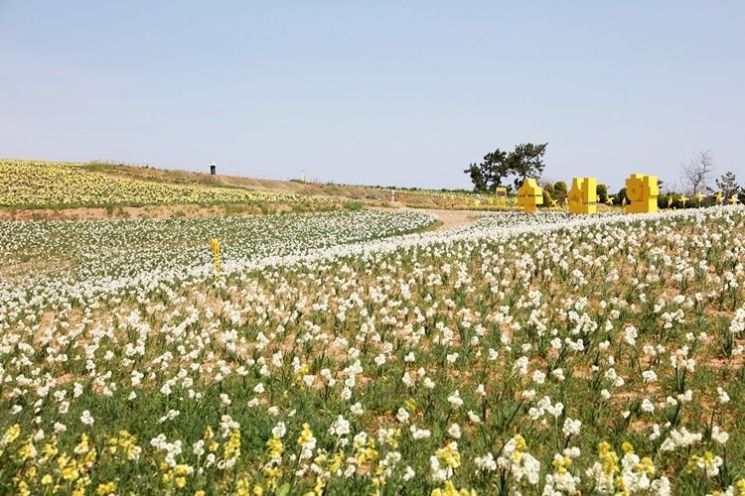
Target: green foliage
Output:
[
  {"x": 547, "y": 198},
  {"x": 728, "y": 185},
  {"x": 560, "y": 191},
  {"x": 621, "y": 196},
  {"x": 602, "y": 192},
  {"x": 526, "y": 160}
]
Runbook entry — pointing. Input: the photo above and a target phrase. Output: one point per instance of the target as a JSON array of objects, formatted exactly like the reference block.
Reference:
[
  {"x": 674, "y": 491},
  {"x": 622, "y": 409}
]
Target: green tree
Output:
[
  {"x": 620, "y": 197},
  {"x": 547, "y": 198},
  {"x": 526, "y": 160},
  {"x": 602, "y": 192},
  {"x": 560, "y": 191},
  {"x": 727, "y": 184},
  {"x": 490, "y": 173}
]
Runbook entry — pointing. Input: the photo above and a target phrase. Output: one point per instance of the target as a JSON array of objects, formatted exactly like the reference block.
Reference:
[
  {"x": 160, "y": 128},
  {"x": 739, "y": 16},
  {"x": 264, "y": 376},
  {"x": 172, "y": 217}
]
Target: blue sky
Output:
[{"x": 404, "y": 93}]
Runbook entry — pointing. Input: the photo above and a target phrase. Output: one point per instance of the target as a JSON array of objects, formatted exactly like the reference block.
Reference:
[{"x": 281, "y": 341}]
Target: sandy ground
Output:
[{"x": 454, "y": 218}]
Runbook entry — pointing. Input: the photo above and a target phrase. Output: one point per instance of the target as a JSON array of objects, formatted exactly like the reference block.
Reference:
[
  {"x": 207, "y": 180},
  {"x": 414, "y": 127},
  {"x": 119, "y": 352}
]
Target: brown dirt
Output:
[{"x": 454, "y": 218}]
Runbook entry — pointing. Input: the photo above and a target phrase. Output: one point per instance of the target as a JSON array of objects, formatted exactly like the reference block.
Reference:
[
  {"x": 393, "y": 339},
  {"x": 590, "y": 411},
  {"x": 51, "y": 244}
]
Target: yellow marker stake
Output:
[
  {"x": 642, "y": 191},
  {"x": 529, "y": 196},
  {"x": 501, "y": 195},
  {"x": 583, "y": 196},
  {"x": 215, "y": 247}
]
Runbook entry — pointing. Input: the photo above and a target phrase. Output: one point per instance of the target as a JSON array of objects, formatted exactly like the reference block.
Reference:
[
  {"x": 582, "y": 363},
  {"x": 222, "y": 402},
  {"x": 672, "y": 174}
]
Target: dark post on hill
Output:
[{"x": 213, "y": 169}]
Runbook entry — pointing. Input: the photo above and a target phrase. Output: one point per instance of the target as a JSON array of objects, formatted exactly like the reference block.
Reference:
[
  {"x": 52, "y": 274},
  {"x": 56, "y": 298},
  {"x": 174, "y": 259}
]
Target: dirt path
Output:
[{"x": 454, "y": 218}]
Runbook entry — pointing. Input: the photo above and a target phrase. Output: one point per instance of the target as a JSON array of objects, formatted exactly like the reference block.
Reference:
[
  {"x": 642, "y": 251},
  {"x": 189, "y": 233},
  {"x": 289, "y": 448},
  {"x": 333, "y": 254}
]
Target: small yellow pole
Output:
[{"x": 215, "y": 247}]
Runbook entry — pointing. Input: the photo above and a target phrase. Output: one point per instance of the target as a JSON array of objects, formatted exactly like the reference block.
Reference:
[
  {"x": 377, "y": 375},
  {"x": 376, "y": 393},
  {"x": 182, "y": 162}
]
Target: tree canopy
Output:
[{"x": 497, "y": 167}]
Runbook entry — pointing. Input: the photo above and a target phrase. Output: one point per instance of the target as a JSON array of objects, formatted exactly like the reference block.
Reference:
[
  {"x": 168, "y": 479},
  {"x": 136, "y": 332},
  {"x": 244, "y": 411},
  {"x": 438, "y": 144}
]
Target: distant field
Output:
[
  {"x": 120, "y": 190},
  {"x": 28, "y": 184}
]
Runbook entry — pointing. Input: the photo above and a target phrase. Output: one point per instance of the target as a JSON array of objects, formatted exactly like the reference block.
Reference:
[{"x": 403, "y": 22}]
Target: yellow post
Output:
[
  {"x": 642, "y": 191},
  {"x": 529, "y": 196},
  {"x": 215, "y": 247},
  {"x": 583, "y": 198},
  {"x": 501, "y": 196}
]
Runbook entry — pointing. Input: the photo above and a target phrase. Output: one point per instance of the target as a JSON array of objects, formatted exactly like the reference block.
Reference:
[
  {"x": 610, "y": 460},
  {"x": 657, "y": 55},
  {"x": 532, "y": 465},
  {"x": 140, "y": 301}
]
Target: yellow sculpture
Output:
[
  {"x": 733, "y": 199},
  {"x": 501, "y": 196},
  {"x": 642, "y": 191},
  {"x": 719, "y": 197},
  {"x": 583, "y": 197},
  {"x": 530, "y": 195},
  {"x": 699, "y": 197}
]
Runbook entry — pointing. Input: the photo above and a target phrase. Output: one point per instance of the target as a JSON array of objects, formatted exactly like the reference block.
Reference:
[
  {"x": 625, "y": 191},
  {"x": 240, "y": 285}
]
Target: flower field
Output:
[
  {"x": 34, "y": 184},
  {"x": 351, "y": 353}
]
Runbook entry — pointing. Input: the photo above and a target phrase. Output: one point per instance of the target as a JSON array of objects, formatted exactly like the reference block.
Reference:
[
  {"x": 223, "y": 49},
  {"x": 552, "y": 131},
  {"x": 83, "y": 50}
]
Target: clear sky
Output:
[{"x": 375, "y": 92}]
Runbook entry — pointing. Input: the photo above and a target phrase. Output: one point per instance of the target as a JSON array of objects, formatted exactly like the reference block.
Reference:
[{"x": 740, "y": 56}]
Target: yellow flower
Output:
[
  {"x": 305, "y": 436},
  {"x": 646, "y": 465},
  {"x": 449, "y": 454},
  {"x": 23, "y": 489},
  {"x": 275, "y": 448},
  {"x": 49, "y": 450},
  {"x": 106, "y": 489},
  {"x": 243, "y": 488},
  {"x": 233, "y": 446},
  {"x": 13, "y": 432},
  {"x": 740, "y": 485},
  {"x": 451, "y": 490},
  {"x": 28, "y": 450}
]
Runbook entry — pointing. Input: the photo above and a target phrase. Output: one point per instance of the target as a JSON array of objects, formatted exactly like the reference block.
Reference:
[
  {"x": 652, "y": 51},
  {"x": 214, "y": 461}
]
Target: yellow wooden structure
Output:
[
  {"x": 216, "y": 258},
  {"x": 583, "y": 197},
  {"x": 530, "y": 195},
  {"x": 501, "y": 197},
  {"x": 642, "y": 190}
]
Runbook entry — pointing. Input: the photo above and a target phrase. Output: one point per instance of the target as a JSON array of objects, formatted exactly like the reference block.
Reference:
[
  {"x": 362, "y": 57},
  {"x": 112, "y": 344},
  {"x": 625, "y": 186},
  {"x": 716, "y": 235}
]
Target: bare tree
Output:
[{"x": 698, "y": 171}]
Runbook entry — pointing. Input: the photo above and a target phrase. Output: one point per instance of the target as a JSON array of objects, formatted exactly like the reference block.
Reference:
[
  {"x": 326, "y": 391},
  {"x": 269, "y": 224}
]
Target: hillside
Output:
[{"x": 41, "y": 189}]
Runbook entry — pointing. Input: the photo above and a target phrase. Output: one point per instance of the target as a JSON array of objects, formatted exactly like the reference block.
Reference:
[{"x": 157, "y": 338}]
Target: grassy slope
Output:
[{"x": 293, "y": 193}]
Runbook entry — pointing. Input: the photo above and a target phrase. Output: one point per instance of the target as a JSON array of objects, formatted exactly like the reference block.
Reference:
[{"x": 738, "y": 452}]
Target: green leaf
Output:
[{"x": 283, "y": 490}]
